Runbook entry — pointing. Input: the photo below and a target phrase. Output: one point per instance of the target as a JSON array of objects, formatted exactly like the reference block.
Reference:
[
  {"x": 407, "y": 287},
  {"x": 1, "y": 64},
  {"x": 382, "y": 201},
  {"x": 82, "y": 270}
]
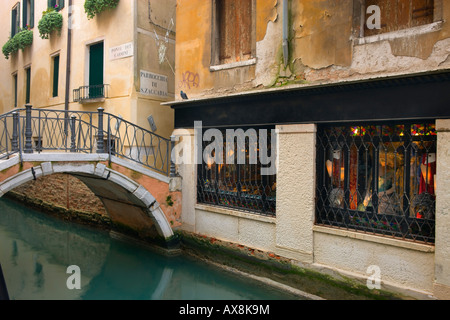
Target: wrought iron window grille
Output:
[
  {"x": 237, "y": 185},
  {"x": 378, "y": 178}
]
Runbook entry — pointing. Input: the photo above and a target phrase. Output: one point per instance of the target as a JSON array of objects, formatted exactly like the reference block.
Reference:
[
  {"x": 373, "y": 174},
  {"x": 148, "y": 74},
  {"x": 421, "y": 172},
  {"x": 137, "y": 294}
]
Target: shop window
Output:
[
  {"x": 233, "y": 30},
  {"x": 401, "y": 14},
  {"x": 378, "y": 179},
  {"x": 239, "y": 181}
]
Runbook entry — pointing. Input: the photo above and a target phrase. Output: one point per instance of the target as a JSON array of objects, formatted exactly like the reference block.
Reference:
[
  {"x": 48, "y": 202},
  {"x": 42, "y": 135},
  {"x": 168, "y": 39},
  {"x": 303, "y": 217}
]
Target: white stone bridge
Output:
[{"x": 129, "y": 168}]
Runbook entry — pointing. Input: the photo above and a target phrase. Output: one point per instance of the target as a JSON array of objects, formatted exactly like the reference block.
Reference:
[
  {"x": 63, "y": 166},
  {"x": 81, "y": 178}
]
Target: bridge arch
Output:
[{"x": 128, "y": 203}]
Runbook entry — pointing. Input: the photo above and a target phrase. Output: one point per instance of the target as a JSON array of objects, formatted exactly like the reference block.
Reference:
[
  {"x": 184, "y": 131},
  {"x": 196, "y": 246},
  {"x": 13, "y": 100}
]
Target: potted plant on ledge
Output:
[
  {"x": 94, "y": 7},
  {"x": 51, "y": 20},
  {"x": 21, "y": 40}
]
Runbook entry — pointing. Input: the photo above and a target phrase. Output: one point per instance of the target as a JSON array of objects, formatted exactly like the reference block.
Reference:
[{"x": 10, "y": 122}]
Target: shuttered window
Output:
[
  {"x": 234, "y": 18},
  {"x": 15, "y": 20},
  {"x": 401, "y": 14},
  {"x": 57, "y": 4},
  {"x": 28, "y": 14}
]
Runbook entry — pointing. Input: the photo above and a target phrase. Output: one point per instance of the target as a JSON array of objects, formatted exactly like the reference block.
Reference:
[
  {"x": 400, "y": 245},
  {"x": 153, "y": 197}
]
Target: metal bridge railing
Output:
[{"x": 29, "y": 130}]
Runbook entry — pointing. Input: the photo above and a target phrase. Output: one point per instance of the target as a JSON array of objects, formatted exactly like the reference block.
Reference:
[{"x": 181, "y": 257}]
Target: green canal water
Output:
[{"x": 36, "y": 251}]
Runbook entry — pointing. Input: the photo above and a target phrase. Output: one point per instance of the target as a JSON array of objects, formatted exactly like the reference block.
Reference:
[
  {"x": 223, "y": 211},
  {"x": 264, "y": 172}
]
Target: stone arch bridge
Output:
[{"x": 129, "y": 168}]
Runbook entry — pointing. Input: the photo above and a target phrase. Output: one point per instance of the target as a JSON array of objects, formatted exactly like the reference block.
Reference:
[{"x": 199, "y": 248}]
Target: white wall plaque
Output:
[
  {"x": 122, "y": 51},
  {"x": 153, "y": 84}
]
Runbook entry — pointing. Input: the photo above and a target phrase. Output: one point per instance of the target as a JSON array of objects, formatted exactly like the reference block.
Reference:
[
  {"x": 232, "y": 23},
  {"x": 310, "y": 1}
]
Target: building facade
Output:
[
  {"x": 348, "y": 101},
  {"x": 72, "y": 57}
]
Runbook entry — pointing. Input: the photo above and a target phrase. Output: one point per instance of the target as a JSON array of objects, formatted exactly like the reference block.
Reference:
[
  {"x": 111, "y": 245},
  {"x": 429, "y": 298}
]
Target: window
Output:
[
  {"x": 55, "y": 76},
  {"x": 401, "y": 14},
  {"x": 57, "y": 4},
  {"x": 233, "y": 31},
  {"x": 232, "y": 175},
  {"x": 15, "y": 89},
  {"x": 15, "y": 20},
  {"x": 28, "y": 14},
  {"x": 28, "y": 85},
  {"x": 378, "y": 178}
]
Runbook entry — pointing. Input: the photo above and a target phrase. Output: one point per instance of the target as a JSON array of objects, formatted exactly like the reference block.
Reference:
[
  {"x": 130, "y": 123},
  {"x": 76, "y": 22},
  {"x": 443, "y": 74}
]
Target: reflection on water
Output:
[{"x": 36, "y": 250}]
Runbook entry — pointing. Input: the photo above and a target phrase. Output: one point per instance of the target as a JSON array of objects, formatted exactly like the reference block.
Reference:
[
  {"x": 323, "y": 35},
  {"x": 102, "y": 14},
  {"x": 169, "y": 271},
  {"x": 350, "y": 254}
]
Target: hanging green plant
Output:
[
  {"x": 94, "y": 7},
  {"x": 21, "y": 40},
  {"x": 51, "y": 20}
]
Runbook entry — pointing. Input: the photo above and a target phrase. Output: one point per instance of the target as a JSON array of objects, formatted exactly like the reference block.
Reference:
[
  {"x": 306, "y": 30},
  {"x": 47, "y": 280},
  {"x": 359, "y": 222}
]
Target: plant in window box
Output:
[
  {"x": 21, "y": 40},
  {"x": 51, "y": 21},
  {"x": 94, "y": 7}
]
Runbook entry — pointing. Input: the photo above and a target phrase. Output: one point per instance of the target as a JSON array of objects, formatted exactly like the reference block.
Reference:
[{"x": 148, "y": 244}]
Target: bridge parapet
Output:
[{"x": 28, "y": 130}]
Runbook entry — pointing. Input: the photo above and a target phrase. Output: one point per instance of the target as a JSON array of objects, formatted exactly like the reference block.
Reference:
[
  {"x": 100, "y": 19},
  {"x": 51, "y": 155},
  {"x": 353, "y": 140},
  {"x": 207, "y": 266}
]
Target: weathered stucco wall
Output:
[
  {"x": 131, "y": 22},
  {"x": 324, "y": 46}
]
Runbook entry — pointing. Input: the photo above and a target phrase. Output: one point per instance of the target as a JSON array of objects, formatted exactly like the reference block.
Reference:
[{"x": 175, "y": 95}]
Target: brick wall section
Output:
[{"x": 62, "y": 190}]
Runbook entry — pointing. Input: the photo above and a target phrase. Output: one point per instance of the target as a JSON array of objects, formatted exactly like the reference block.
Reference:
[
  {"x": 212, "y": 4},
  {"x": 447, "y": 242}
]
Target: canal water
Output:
[{"x": 36, "y": 251}]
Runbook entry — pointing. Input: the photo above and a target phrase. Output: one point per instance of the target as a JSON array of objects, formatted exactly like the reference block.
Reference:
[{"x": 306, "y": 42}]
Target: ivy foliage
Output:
[
  {"x": 51, "y": 20},
  {"x": 21, "y": 40},
  {"x": 94, "y": 7}
]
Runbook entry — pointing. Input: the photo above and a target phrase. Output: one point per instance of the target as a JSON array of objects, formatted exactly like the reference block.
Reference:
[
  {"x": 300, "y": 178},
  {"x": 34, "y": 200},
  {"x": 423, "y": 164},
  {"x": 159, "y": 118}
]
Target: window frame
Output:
[
  {"x": 15, "y": 88},
  {"x": 216, "y": 64},
  {"x": 27, "y": 70},
  {"x": 402, "y": 224},
  {"x": 28, "y": 14},
  {"x": 15, "y": 24},
  {"x": 55, "y": 74}
]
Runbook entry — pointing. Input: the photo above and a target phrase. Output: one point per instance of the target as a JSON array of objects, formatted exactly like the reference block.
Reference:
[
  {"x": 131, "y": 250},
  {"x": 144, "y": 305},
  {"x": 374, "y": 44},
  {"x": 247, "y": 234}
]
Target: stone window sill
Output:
[
  {"x": 233, "y": 65},
  {"x": 375, "y": 239},
  {"x": 428, "y": 28}
]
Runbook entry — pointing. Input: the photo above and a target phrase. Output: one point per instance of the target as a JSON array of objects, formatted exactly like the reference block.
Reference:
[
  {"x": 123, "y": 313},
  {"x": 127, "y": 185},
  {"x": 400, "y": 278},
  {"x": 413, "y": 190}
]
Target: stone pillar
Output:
[
  {"x": 183, "y": 156},
  {"x": 296, "y": 191},
  {"x": 442, "y": 242}
]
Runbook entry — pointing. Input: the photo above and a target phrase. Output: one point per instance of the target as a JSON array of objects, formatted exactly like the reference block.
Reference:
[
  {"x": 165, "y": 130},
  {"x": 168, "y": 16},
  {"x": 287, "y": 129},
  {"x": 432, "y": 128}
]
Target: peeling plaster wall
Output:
[{"x": 323, "y": 47}]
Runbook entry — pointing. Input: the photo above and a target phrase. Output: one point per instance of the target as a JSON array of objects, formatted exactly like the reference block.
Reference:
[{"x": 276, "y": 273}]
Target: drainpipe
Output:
[
  {"x": 68, "y": 62},
  {"x": 285, "y": 32}
]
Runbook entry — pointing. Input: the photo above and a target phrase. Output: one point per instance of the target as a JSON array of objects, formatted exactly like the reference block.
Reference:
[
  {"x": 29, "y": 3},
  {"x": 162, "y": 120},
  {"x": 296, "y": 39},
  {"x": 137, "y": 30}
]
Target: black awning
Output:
[{"x": 418, "y": 96}]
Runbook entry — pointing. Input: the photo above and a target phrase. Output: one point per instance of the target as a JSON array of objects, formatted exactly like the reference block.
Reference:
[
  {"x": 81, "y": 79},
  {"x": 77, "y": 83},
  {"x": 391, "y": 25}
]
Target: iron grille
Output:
[
  {"x": 378, "y": 178},
  {"x": 238, "y": 184}
]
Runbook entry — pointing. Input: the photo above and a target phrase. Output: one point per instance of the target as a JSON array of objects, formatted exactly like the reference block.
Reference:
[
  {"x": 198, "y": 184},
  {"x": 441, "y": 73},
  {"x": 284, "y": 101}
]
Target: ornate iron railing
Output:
[
  {"x": 31, "y": 130},
  {"x": 378, "y": 178}
]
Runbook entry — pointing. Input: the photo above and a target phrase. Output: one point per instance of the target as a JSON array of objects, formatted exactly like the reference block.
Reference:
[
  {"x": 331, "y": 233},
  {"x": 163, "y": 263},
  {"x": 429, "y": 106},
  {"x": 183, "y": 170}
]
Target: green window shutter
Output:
[
  {"x": 61, "y": 4},
  {"x": 55, "y": 75},
  {"x": 24, "y": 14},
  {"x": 31, "y": 13}
]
